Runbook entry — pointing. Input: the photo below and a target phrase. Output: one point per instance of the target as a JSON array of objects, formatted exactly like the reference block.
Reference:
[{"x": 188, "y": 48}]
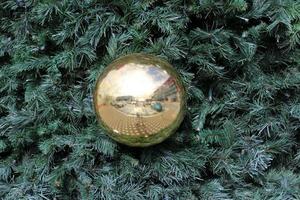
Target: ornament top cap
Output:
[{"x": 139, "y": 99}]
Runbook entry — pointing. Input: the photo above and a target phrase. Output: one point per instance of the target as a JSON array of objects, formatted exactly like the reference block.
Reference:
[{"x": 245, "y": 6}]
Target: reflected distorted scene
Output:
[{"x": 138, "y": 99}]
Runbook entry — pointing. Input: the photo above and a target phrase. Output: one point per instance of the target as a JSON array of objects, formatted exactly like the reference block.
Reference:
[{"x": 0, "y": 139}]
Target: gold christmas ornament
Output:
[{"x": 139, "y": 100}]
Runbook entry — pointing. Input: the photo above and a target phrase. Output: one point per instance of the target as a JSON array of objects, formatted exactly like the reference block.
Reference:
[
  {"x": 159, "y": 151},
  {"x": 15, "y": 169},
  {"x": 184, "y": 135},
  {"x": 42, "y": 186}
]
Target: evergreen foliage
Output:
[{"x": 239, "y": 61}]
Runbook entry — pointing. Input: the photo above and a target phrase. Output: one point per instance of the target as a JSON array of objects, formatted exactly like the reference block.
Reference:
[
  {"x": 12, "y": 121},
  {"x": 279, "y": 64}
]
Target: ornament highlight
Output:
[{"x": 139, "y": 100}]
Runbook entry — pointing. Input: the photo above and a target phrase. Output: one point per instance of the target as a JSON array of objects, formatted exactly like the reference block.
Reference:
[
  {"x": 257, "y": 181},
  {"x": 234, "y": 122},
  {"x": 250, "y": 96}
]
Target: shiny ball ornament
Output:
[{"x": 139, "y": 100}]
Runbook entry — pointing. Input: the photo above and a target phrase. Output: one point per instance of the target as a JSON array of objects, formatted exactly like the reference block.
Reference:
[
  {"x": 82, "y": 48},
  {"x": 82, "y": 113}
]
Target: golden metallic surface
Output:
[{"x": 140, "y": 100}]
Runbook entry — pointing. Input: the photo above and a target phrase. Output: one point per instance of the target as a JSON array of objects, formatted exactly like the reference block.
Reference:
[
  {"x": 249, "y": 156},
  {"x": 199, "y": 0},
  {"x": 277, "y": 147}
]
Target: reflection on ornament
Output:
[{"x": 139, "y": 100}]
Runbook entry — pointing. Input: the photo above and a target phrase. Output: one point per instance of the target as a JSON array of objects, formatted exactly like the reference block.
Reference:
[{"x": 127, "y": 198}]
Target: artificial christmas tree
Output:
[{"x": 238, "y": 60}]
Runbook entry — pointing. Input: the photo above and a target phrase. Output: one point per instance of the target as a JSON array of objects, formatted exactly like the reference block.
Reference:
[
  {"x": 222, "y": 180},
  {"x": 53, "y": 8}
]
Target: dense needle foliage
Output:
[{"x": 239, "y": 60}]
